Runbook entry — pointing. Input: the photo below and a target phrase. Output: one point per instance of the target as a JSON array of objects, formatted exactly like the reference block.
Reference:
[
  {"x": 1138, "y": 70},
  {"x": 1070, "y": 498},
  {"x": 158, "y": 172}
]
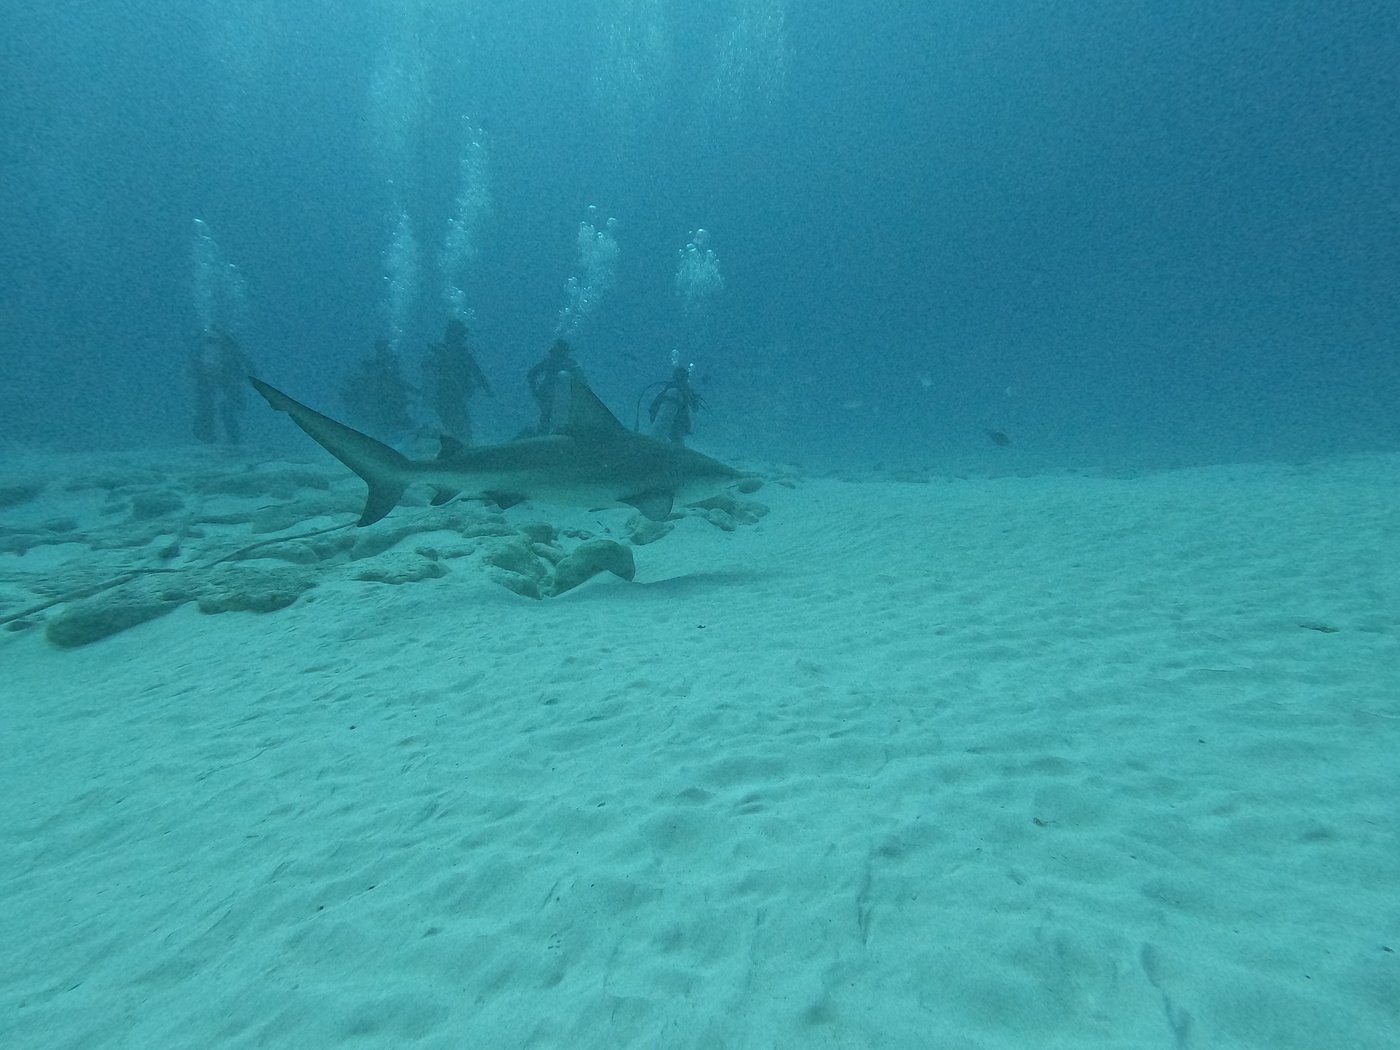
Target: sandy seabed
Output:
[{"x": 1057, "y": 761}]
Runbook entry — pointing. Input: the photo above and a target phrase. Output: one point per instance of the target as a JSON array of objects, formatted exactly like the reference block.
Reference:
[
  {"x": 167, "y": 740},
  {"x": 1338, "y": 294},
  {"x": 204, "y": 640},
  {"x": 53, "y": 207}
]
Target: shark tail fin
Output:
[{"x": 383, "y": 469}]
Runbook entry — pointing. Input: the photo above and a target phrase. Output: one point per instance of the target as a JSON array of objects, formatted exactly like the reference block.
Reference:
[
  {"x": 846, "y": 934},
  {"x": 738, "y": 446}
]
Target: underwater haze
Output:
[{"x": 898, "y": 233}]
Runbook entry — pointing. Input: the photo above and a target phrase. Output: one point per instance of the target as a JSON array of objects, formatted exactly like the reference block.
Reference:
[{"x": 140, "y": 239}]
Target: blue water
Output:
[{"x": 1112, "y": 230}]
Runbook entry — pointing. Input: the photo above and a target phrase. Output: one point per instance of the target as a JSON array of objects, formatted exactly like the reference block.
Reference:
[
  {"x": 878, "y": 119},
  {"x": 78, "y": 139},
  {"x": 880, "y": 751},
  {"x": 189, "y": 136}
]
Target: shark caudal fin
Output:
[{"x": 383, "y": 470}]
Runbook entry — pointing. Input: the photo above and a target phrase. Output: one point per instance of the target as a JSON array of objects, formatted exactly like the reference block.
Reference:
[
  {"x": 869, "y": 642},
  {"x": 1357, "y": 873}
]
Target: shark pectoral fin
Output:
[
  {"x": 504, "y": 500},
  {"x": 655, "y": 504},
  {"x": 441, "y": 496},
  {"x": 383, "y": 497}
]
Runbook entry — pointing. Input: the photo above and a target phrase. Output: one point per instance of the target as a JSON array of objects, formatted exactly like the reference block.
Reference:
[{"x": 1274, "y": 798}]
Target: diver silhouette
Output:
[
  {"x": 219, "y": 370},
  {"x": 453, "y": 376}
]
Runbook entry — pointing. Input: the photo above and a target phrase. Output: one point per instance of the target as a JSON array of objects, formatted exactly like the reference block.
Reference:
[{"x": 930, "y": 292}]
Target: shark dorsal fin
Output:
[
  {"x": 449, "y": 447},
  {"x": 587, "y": 414}
]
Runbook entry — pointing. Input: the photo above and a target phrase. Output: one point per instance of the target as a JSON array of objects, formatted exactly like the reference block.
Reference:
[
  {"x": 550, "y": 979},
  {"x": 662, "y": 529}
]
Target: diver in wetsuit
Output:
[
  {"x": 452, "y": 377},
  {"x": 550, "y": 394},
  {"x": 376, "y": 392},
  {"x": 671, "y": 409},
  {"x": 219, "y": 369}
]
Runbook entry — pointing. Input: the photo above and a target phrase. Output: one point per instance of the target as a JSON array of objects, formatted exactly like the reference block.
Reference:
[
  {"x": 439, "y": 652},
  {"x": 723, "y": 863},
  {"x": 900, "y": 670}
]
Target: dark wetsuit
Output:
[
  {"x": 453, "y": 377},
  {"x": 543, "y": 379},
  {"x": 219, "y": 370}
]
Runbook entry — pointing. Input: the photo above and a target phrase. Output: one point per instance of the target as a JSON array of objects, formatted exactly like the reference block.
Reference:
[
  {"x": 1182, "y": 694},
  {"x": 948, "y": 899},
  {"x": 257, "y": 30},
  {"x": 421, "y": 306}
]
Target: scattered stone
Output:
[
  {"x": 245, "y": 590},
  {"x": 277, "y": 484},
  {"x": 547, "y": 552},
  {"x": 448, "y": 553},
  {"x": 538, "y": 531},
  {"x": 749, "y": 485},
  {"x": 524, "y": 586},
  {"x": 101, "y": 617},
  {"x": 294, "y": 552},
  {"x": 282, "y": 518},
  {"x": 127, "y": 537},
  {"x": 590, "y": 558},
  {"x": 373, "y": 541},
  {"x": 517, "y": 567},
  {"x": 401, "y": 567},
  {"x": 182, "y": 547},
  {"x": 642, "y": 530},
  {"x": 487, "y": 529},
  {"x": 275, "y": 517},
  {"x": 729, "y": 512},
  {"x": 516, "y": 556}
]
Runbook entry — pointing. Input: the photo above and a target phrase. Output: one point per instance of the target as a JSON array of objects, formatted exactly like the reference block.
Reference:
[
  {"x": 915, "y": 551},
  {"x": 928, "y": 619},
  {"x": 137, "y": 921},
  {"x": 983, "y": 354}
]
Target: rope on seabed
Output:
[{"x": 156, "y": 570}]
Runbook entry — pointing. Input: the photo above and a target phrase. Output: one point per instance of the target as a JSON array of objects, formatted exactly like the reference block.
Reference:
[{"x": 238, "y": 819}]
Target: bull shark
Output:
[{"x": 593, "y": 460}]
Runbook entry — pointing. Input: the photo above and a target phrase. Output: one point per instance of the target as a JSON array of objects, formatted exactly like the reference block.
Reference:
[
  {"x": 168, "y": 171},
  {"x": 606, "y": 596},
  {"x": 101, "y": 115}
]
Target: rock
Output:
[
  {"x": 487, "y": 529},
  {"x": 294, "y": 552},
  {"x": 729, "y": 512},
  {"x": 96, "y": 618},
  {"x": 642, "y": 530},
  {"x": 517, "y": 557},
  {"x": 275, "y": 483},
  {"x": 242, "y": 590},
  {"x": 590, "y": 558},
  {"x": 547, "y": 552},
  {"x": 401, "y": 568},
  {"x": 518, "y": 567},
  {"x": 280, "y": 517},
  {"x": 538, "y": 531},
  {"x": 525, "y": 586},
  {"x": 377, "y": 539},
  {"x": 448, "y": 552},
  {"x": 748, "y": 486}
]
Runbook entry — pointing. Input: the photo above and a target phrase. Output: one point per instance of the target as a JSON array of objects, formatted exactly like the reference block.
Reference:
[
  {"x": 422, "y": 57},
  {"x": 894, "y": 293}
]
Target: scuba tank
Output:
[{"x": 666, "y": 414}]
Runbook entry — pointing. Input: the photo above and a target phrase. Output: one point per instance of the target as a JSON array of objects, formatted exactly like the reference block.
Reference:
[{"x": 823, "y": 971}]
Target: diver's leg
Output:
[
  {"x": 233, "y": 431},
  {"x": 203, "y": 423}
]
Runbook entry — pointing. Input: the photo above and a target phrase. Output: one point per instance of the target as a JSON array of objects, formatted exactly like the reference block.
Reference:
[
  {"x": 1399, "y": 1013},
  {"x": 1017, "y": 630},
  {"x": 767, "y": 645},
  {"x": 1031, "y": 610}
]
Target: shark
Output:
[{"x": 592, "y": 460}]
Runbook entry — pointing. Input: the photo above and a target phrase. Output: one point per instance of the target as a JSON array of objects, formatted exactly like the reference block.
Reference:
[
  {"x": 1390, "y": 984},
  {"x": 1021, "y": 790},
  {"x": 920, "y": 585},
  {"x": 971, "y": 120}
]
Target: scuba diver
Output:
[
  {"x": 452, "y": 377},
  {"x": 219, "y": 369},
  {"x": 376, "y": 392},
  {"x": 551, "y": 395},
  {"x": 670, "y": 411}
]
